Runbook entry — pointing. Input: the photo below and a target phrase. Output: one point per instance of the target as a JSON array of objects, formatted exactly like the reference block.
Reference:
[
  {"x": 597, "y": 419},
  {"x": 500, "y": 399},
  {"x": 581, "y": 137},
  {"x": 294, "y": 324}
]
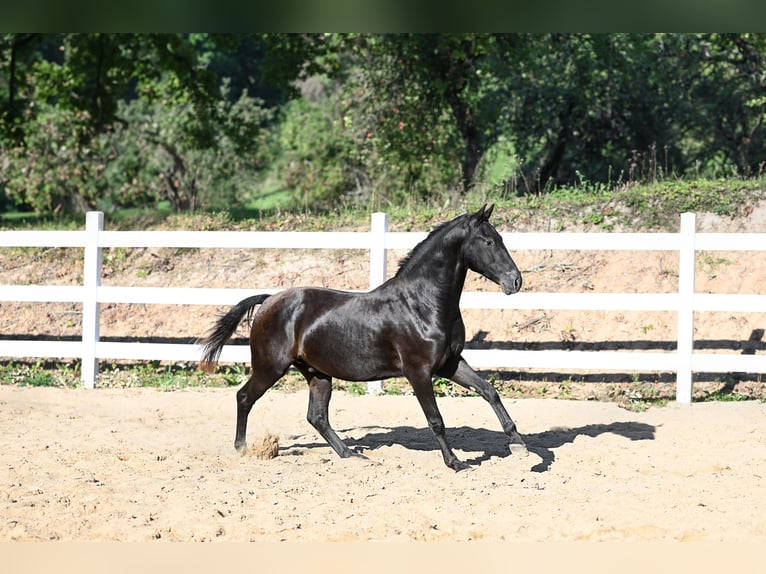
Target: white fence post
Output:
[
  {"x": 378, "y": 230},
  {"x": 378, "y": 257},
  {"x": 91, "y": 315},
  {"x": 685, "y": 336}
]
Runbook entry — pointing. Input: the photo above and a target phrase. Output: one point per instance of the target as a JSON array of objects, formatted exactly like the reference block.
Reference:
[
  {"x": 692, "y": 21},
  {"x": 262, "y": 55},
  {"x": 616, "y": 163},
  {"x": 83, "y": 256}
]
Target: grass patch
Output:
[
  {"x": 354, "y": 388},
  {"x": 725, "y": 396},
  {"x": 640, "y": 206},
  {"x": 24, "y": 220},
  {"x": 40, "y": 374},
  {"x": 643, "y": 205},
  {"x": 166, "y": 377},
  {"x": 657, "y": 205},
  {"x": 638, "y": 395}
]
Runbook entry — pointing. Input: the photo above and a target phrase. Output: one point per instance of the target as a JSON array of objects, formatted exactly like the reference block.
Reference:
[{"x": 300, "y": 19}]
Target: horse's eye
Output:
[{"x": 490, "y": 243}]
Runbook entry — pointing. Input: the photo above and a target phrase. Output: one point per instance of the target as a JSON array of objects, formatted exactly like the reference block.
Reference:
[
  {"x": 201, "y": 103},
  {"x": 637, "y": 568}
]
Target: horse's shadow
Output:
[{"x": 489, "y": 443}]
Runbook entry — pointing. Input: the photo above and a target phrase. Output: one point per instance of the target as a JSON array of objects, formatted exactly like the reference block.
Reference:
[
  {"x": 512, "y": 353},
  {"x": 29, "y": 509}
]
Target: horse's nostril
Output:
[{"x": 511, "y": 282}]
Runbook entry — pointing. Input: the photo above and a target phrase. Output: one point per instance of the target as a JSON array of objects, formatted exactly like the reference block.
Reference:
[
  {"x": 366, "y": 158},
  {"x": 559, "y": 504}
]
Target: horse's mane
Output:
[{"x": 438, "y": 231}]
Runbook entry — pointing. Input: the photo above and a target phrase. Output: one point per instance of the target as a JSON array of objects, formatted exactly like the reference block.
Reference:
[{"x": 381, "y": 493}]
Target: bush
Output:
[
  {"x": 316, "y": 159},
  {"x": 59, "y": 166},
  {"x": 155, "y": 151}
]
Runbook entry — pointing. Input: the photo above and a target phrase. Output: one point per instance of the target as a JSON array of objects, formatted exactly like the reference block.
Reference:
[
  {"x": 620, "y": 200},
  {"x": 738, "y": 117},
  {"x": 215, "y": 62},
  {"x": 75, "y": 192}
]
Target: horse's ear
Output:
[{"x": 484, "y": 213}]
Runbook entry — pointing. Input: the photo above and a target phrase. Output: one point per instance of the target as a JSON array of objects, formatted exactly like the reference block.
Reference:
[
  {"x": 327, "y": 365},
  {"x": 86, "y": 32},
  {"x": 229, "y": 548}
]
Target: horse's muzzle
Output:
[{"x": 510, "y": 282}]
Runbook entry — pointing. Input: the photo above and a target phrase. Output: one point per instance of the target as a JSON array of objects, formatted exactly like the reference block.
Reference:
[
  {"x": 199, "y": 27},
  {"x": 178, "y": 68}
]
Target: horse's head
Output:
[{"x": 484, "y": 252}]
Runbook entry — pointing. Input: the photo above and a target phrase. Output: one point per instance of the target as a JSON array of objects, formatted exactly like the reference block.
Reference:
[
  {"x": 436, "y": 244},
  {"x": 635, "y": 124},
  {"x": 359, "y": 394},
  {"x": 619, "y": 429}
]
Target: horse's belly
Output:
[{"x": 351, "y": 356}]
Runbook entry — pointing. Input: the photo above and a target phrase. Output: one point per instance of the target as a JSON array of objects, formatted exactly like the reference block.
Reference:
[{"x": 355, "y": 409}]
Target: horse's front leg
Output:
[
  {"x": 466, "y": 377},
  {"x": 424, "y": 391}
]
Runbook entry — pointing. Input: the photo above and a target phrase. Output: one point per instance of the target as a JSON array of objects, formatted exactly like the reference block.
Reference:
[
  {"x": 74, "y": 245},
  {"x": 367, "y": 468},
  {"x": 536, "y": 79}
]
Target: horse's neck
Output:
[
  {"x": 441, "y": 278},
  {"x": 436, "y": 271}
]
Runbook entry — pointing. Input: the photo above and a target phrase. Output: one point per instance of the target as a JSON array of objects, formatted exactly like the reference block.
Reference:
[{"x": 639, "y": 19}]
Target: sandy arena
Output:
[
  {"x": 138, "y": 464},
  {"x": 142, "y": 464}
]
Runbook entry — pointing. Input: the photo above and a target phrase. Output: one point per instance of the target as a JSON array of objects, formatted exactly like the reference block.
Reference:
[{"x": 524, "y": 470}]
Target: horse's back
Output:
[
  {"x": 345, "y": 334},
  {"x": 307, "y": 300}
]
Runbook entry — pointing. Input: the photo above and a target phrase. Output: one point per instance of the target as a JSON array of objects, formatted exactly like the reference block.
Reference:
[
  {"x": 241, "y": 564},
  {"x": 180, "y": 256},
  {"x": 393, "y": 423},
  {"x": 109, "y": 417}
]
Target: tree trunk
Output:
[{"x": 472, "y": 152}]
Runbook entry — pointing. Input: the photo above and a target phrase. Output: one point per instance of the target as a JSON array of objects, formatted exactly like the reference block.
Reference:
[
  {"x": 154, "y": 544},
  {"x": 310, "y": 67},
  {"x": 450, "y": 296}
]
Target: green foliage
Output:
[
  {"x": 726, "y": 396},
  {"x": 40, "y": 374},
  {"x": 357, "y": 389},
  {"x": 216, "y": 120},
  {"x": 636, "y": 107},
  {"x": 155, "y": 156},
  {"x": 56, "y": 167},
  {"x": 128, "y": 119},
  {"x": 442, "y": 386},
  {"x": 316, "y": 160},
  {"x": 234, "y": 375},
  {"x": 422, "y": 109},
  {"x": 38, "y": 378},
  {"x": 590, "y": 104}
]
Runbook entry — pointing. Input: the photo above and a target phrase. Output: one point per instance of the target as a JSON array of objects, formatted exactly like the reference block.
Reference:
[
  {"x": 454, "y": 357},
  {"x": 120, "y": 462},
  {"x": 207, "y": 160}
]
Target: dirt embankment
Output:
[{"x": 544, "y": 271}]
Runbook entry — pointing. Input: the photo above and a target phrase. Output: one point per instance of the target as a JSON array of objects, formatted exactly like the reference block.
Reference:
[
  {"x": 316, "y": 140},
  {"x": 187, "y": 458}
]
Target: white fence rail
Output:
[{"x": 683, "y": 361}]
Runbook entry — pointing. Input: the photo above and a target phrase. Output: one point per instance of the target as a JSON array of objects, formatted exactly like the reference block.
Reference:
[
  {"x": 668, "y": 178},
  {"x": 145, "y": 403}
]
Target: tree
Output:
[
  {"x": 77, "y": 93},
  {"x": 586, "y": 105},
  {"x": 103, "y": 119},
  {"x": 16, "y": 50},
  {"x": 431, "y": 96},
  {"x": 154, "y": 154},
  {"x": 725, "y": 78},
  {"x": 620, "y": 107}
]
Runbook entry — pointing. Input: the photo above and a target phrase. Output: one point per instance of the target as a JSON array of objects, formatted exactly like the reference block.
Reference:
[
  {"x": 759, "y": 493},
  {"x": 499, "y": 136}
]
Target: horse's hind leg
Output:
[
  {"x": 320, "y": 391},
  {"x": 260, "y": 381},
  {"x": 466, "y": 377}
]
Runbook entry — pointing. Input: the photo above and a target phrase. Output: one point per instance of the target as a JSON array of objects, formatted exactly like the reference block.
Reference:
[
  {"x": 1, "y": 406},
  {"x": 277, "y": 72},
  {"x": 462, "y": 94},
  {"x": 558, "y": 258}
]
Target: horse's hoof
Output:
[
  {"x": 241, "y": 449},
  {"x": 460, "y": 466},
  {"x": 519, "y": 450},
  {"x": 355, "y": 453}
]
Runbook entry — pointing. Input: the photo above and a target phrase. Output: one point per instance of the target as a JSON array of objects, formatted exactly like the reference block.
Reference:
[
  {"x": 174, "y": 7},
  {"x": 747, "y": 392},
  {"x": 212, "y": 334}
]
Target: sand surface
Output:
[{"x": 143, "y": 464}]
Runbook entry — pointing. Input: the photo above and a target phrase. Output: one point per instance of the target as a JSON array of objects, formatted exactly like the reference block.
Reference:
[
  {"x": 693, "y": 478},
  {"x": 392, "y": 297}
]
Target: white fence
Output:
[{"x": 683, "y": 361}]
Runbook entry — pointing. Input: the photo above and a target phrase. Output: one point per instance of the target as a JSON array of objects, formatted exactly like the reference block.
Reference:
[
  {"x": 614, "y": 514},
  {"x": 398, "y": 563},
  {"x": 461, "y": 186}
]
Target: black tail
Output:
[{"x": 224, "y": 329}]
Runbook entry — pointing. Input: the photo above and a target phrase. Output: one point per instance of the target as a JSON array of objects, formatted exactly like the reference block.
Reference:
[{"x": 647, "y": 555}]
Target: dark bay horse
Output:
[{"x": 409, "y": 326}]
